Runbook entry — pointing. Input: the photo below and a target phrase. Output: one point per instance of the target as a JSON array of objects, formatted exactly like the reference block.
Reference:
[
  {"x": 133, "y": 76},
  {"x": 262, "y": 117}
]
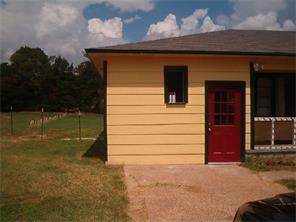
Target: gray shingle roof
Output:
[{"x": 245, "y": 42}]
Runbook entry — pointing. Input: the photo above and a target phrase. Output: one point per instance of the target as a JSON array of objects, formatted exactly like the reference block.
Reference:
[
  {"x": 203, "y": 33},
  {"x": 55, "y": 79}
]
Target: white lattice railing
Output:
[{"x": 272, "y": 144}]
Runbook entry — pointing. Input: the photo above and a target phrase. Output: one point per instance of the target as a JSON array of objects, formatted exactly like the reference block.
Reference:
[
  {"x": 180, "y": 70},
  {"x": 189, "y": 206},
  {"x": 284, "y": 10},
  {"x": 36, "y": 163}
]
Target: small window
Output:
[{"x": 176, "y": 84}]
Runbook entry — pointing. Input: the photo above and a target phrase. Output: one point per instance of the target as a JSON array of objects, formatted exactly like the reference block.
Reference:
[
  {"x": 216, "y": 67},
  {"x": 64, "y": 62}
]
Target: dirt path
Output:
[{"x": 195, "y": 193}]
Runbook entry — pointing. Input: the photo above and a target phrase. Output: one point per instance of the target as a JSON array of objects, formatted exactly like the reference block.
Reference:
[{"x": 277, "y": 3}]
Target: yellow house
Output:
[{"x": 202, "y": 98}]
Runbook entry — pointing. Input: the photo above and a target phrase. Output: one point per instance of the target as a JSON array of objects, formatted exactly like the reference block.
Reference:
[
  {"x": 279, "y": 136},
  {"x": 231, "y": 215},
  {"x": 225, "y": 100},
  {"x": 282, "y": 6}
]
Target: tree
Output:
[
  {"x": 21, "y": 85},
  {"x": 58, "y": 89},
  {"x": 6, "y": 88},
  {"x": 33, "y": 79},
  {"x": 90, "y": 83}
]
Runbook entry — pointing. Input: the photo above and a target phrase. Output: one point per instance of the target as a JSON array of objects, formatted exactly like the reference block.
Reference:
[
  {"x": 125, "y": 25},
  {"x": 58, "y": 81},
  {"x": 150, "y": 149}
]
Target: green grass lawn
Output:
[
  {"x": 65, "y": 127},
  {"x": 49, "y": 179}
]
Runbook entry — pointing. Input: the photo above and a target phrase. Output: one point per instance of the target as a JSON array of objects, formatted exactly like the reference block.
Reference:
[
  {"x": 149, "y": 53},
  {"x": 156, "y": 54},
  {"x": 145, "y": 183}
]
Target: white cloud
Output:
[
  {"x": 58, "y": 27},
  {"x": 243, "y": 9},
  {"x": 54, "y": 17},
  {"x": 189, "y": 24},
  {"x": 267, "y": 21},
  {"x": 111, "y": 28},
  {"x": 289, "y": 25},
  {"x": 162, "y": 29},
  {"x": 132, "y": 19},
  {"x": 260, "y": 21},
  {"x": 209, "y": 26},
  {"x": 223, "y": 20},
  {"x": 196, "y": 23},
  {"x": 97, "y": 40},
  {"x": 258, "y": 15}
]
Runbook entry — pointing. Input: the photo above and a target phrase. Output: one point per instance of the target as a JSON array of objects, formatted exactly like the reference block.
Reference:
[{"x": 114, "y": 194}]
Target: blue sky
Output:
[{"x": 67, "y": 27}]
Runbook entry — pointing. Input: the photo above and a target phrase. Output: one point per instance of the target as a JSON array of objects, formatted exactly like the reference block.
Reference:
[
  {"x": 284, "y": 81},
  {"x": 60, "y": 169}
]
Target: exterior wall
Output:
[{"x": 142, "y": 129}]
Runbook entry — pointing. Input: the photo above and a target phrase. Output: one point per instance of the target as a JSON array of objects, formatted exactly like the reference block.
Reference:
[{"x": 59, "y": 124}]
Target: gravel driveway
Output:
[{"x": 194, "y": 192}]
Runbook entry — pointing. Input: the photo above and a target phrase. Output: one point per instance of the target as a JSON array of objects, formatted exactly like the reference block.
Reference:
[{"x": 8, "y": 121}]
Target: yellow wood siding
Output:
[
  {"x": 155, "y": 139},
  {"x": 143, "y": 130},
  {"x": 156, "y": 159},
  {"x": 156, "y": 109},
  {"x": 148, "y": 88},
  {"x": 163, "y": 149},
  {"x": 147, "y": 119},
  {"x": 162, "y": 129},
  {"x": 130, "y": 99}
]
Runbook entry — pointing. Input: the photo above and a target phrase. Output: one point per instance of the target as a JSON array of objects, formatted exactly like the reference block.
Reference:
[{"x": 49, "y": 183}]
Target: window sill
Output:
[{"x": 177, "y": 103}]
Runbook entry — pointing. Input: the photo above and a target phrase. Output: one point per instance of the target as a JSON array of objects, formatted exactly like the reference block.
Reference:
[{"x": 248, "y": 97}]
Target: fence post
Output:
[
  {"x": 42, "y": 116},
  {"x": 11, "y": 122},
  {"x": 79, "y": 124}
]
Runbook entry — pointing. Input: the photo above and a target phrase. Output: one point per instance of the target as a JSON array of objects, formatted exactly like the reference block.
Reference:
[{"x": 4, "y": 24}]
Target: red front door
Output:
[{"x": 224, "y": 123}]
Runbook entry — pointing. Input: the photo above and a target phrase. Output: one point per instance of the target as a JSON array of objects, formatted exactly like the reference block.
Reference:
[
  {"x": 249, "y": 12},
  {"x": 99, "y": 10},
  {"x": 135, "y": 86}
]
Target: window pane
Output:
[
  {"x": 290, "y": 96},
  {"x": 223, "y": 120},
  {"x": 217, "y": 97},
  {"x": 264, "y": 82},
  {"x": 217, "y": 108},
  {"x": 264, "y": 96},
  {"x": 263, "y": 111},
  {"x": 265, "y": 92},
  {"x": 264, "y": 102},
  {"x": 230, "y": 97},
  {"x": 217, "y": 120},
  {"x": 224, "y": 108},
  {"x": 223, "y": 96},
  {"x": 230, "y": 108},
  {"x": 230, "y": 120},
  {"x": 176, "y": 84}
]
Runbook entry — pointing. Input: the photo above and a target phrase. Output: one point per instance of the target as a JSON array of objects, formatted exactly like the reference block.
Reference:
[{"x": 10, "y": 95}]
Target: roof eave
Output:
[{"x": 146, "y": 51}]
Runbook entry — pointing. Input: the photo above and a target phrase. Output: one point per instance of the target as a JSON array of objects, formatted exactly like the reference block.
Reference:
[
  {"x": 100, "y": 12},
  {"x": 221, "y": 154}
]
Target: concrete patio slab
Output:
[{"x": 194, "y": 192}]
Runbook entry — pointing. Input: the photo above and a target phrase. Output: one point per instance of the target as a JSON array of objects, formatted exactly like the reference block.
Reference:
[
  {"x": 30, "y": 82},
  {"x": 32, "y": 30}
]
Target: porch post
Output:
[
  {"x": 272, "y": 132},
  {"x": 252, "y": 114},
  {"x": 294, "y": 132}
]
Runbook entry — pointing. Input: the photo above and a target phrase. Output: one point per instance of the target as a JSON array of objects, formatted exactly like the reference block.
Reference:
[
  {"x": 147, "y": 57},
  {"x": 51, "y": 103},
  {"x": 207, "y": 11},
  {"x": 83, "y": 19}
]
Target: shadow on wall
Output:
[{"x": 98, "y": 149}]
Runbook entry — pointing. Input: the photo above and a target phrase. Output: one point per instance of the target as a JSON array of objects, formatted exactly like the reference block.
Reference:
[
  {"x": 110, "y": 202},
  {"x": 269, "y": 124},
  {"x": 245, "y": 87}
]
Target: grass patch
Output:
[
  {"x": 289, "y": 183},
  {"x": 65, "y": 127},
  {"x": 49, "y": 180},
  {"x": 267, "y": 163},
  {"x": 21, "y": 122}
]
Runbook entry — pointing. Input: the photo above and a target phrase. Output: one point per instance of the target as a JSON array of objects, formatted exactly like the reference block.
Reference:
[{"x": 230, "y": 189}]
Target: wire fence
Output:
[{"x": 71, "y": 125}]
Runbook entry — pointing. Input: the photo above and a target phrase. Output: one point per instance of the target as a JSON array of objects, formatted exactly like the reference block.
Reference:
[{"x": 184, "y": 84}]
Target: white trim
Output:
[
  {"x": 274, "y": 119},
  {"x": 275, "y": 147}
]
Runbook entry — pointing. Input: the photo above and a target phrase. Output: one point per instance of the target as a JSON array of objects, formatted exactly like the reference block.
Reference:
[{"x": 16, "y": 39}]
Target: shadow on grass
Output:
[{"x": 98, "y": 149}]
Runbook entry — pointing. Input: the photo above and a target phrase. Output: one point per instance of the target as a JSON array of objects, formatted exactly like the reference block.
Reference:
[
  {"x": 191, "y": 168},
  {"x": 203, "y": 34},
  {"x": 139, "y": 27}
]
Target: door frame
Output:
[{"x": 241, "y": 85}]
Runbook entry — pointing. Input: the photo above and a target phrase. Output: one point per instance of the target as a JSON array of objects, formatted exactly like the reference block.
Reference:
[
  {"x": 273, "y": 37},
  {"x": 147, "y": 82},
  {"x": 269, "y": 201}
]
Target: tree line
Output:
[{"x": 33, "y": 80}]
